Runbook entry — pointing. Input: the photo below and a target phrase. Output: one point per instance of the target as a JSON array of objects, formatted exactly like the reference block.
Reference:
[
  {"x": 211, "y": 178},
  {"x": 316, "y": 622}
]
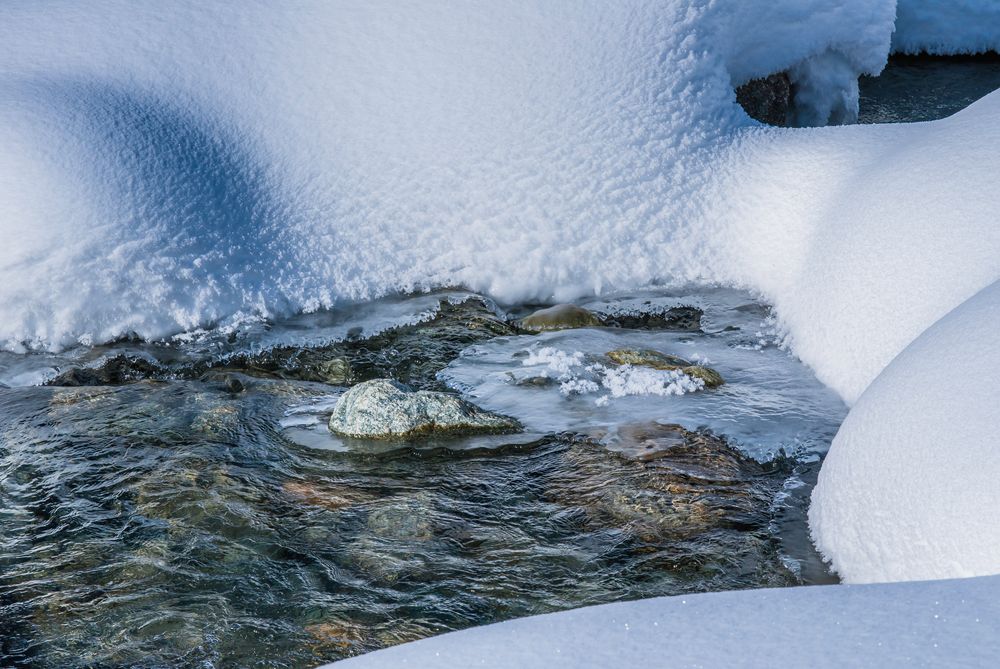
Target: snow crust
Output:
[
  {"x": 169, "y": 168},
  {"x": 947, "y": 27},
  {"x": 908, "y": 490},
  {"x": 926, "y": 624}
]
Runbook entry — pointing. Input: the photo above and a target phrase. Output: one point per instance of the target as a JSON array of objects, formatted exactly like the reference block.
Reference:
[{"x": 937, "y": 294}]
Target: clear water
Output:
[
  {"x": 925, "y": 88},
  {"x": 181, "y": 520}
]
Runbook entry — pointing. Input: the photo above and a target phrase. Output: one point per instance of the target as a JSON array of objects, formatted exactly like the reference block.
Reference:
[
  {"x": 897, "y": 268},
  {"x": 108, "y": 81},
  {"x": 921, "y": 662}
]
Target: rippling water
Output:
[{"x": 207, "y": 518}]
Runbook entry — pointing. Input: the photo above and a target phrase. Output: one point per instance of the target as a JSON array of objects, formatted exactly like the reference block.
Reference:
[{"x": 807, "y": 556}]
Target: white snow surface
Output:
[
  {"x": 166, "y": 167},
  {"x": 162, "y": 170},
  {"x": 947, "y": 27},
  {"x": 909, "y": 488},
  {"x": 927, "y": 624}
]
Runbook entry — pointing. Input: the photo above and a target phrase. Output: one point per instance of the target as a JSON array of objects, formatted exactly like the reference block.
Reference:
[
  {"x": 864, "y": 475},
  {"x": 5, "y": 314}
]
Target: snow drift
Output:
[
  {"x": 908, "y": 490},
  {"x": 166, "y": 168},
  {"x": 929, "y": 624}
]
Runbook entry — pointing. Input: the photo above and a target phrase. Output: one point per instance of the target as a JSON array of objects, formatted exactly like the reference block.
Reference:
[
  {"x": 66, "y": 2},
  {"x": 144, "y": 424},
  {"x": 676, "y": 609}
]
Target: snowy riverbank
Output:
[{"x": 926, "y": 624}]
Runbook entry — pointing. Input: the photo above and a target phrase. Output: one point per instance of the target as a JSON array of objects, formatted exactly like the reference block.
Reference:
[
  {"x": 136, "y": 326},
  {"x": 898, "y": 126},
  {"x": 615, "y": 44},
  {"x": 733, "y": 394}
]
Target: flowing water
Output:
[{"x": 194, "y": 510}]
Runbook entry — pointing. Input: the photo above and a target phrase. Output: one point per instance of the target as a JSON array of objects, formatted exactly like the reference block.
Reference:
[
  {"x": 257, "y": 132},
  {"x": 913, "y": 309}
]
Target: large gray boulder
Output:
[{"x": 386, "y": 409}]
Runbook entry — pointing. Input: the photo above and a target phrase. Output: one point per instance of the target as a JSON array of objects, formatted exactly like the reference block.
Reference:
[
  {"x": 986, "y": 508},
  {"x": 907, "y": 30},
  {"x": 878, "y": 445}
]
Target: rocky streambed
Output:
[{"x": 294, "y": 492}]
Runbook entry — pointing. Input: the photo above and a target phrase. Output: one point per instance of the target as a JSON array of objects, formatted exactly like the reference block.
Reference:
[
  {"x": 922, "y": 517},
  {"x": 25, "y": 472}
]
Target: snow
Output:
[
  {"x": 926, "y": 624},
  {"x": 166, "y": 169},
  {"x": 947, "y": 27},
  {"x": 893, "y": 227},
  {"x": 577, "y": 376},
  {"x": 529, "y": 150},
  {"x": 908, "y": 490}
]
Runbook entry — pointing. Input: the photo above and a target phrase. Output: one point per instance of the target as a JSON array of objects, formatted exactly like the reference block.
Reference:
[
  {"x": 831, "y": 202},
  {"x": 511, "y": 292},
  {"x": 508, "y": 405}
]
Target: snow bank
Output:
[
  {"x": 947, "y": 27},
  {"x": 908, "y": 490},
  {"x": 928, "y": 624},
  {"x": 165, "y": 168},
  {"x": 863, "y": 236}
]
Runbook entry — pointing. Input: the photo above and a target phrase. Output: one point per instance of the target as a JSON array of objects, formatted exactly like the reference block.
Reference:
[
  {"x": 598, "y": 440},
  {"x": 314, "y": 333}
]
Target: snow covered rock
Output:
[
  {"x": 385, "y": 409},
  {"x": 909, "y": 489},
  {"x": 528, "y": 150}
]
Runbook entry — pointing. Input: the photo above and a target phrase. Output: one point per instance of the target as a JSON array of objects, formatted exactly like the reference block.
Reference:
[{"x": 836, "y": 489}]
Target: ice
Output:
[
  {"x": 576, "y": 377},
  {"x": 931, "y": 624},
  {"x": 908, "y": 490},
  {"x": 769, "y": 402}
]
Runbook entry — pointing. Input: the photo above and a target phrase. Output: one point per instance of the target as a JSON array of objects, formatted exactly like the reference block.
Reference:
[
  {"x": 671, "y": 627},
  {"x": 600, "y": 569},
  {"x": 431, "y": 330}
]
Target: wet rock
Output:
[
  {"x": 657, "y": 360},
  {"x": 687, "y": 319},
  {"x": 336, "y": 371},
  {"x": 647, "y": 358},
  {"x": 711, "y": 377},
  {"x": 413, "y": 354},
  {"x": 560, "y": 317},
  {"x": 767, "y": 100},
  {"x": 119, "y": 370},
  {"x": 385, "y": 409}
]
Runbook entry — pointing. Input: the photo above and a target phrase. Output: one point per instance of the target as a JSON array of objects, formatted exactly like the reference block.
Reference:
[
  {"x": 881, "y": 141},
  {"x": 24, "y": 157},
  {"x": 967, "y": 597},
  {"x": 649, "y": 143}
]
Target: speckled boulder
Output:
[
  {"x": 560, "y": 317},
  {"x": 386, "y": 409}
]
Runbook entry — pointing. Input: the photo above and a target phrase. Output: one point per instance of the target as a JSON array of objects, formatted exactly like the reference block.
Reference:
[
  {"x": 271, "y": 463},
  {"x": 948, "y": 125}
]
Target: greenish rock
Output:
[
  {"x": 336, "y": 371},
  {"x": 647, "y": 358},
  {"x": 386, "y": 409},
  {"x": 711, "y": 377},
  {"x": 657, "y": 360},
  {"x": 560, "y": 317}
]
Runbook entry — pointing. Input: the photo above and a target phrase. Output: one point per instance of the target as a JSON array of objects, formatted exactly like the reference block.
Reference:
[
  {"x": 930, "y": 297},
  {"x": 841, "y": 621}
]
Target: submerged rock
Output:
[
  {"x": 657, "y": 360},
  {"x": 407, "y": 519},
  {"x": 325, "y": 495},
  {"x": 386, "y": 409},
  {"x": 671, "y": 483},
  {"x": 560, "y": 317}
]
